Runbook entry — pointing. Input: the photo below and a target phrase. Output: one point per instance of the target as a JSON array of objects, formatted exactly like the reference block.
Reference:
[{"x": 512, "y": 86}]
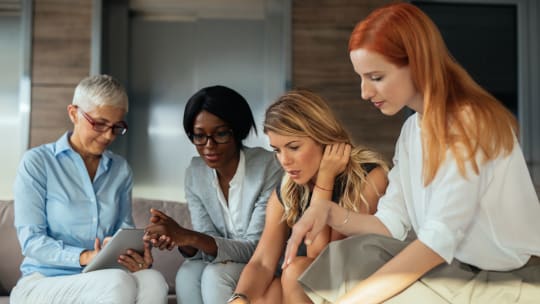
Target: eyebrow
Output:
[{"x": 371, "y": 73}]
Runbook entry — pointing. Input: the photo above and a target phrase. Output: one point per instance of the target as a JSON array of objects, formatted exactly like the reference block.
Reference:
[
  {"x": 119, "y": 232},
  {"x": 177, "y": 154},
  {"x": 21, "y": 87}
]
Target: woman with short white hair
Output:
[{"x": 72, "y": 194}]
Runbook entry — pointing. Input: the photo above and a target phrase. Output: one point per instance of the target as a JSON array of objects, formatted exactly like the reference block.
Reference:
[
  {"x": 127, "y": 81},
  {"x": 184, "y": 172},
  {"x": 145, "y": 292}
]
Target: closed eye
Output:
[{"x": 293, "y": 148}]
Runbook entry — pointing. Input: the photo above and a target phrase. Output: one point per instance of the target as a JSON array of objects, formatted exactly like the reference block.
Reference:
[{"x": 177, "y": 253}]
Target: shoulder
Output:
[
  {"x": 197, "y": 163},
  {"x": 411, "y": 123},
  {"x": 259, "y": 157},
  {"x": 38, "y": 155},
  {"x": 257, "y": 154},
  {"x": 196, "y": 170}
]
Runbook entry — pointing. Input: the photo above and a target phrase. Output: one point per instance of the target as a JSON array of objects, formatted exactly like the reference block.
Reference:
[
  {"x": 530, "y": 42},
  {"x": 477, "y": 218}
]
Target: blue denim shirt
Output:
[{"x": 59, "y": 211}]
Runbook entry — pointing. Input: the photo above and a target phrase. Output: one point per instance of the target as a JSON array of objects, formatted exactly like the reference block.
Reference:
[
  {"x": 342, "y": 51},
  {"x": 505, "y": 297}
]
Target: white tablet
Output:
[{"x": 122, "y": 240}]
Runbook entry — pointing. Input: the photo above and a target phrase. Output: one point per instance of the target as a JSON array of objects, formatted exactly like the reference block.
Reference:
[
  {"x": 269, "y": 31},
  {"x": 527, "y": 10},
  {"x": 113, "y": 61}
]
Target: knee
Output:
[
  {"x": 290, "y": 275},
  {"x": 120, "y": 287},
  {"x": 372, "y": 248},
  {"x": 153, "y": 280},
  {"x": 221, "y": 279},
  {"x": 369, "y": 243},
  {"x": 215, "y": 274},
  {"x": 188, "y": 276}
]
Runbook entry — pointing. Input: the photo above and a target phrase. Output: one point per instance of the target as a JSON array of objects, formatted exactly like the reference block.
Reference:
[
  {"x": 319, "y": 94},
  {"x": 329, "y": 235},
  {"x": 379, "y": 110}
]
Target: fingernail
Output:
[{"x": 308, "y": 242}]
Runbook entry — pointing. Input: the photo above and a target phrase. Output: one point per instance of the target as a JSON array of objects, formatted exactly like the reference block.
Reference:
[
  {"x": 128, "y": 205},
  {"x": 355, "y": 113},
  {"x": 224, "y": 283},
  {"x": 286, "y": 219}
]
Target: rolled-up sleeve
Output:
[{"x": 451, "y": 202}]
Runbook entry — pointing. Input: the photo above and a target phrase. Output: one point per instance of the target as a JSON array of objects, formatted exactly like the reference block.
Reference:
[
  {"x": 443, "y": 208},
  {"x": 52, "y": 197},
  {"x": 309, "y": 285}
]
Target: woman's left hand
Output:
[
  {"x": 335, "y": 159},
  {"x": 133, "y": 261}
]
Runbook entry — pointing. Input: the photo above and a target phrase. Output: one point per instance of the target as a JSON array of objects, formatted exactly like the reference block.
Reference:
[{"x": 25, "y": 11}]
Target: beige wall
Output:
[{"x": 60, "y": 59}]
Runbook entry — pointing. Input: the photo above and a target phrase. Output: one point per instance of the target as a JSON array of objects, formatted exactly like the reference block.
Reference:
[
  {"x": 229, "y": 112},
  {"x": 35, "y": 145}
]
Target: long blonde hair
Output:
[
  {"x": 304, "y": 114},
  {"x": 458, "y": 114}
]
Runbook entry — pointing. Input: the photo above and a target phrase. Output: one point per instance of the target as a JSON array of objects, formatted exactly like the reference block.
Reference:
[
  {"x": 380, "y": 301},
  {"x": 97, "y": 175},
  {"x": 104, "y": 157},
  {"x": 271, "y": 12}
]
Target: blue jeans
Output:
[{"x": 199, "y": 282}]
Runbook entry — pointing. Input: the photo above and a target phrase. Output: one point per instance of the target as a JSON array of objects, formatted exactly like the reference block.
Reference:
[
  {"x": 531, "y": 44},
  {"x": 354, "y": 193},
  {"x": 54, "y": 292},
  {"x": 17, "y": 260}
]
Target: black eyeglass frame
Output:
[{"x": 230, "y": 135}]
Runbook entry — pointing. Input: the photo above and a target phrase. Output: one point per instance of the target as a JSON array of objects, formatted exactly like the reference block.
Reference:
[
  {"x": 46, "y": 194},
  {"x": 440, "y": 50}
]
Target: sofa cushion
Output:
[
  {"x": 167, "y": 262},
  {"x": 10, "y": 251}
]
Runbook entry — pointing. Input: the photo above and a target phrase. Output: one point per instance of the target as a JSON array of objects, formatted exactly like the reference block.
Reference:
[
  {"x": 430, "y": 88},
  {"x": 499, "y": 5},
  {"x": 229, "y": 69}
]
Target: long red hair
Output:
[{"x": 458, "y": 114}]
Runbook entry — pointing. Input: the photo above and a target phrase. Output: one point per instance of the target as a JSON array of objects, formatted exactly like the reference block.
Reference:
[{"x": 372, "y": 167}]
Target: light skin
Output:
[
  {"x": 163, "y": 231},
  {"x": 90, "y": 144},
  {"x": 390, "y": 88},
  {"x": 306, "y": 162}
]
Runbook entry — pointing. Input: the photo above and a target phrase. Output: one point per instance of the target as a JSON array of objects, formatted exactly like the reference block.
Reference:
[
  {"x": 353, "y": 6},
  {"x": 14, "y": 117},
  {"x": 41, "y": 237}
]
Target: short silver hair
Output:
[{"x": 100, "y": 90}]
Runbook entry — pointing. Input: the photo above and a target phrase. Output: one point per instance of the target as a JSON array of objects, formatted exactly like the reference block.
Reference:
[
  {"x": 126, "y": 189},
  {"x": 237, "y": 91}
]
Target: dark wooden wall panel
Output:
[
  {"x": 60, "y": 59},
  {"x": 320, "y": 62}
]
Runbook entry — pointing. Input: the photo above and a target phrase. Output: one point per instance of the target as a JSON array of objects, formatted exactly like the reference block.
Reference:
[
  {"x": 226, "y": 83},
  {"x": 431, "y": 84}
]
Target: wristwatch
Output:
[{"x": 237, "y": 295}]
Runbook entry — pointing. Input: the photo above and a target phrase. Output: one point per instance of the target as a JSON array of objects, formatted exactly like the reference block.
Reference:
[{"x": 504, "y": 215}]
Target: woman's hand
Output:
[
  {"x": 87, "y": 255},
  {"x": 133, "y": 261},
  {"x": 334, "y": 161},
  {"x": 309, "y": 226},
  {"x": 163, "y": 232},
  {"x": 106, "y": 241}
]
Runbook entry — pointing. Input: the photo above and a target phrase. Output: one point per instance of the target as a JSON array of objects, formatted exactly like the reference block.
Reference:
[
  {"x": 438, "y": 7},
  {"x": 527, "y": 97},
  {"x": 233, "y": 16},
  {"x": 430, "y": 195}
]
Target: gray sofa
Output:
[{"x": 165, "y": 261}]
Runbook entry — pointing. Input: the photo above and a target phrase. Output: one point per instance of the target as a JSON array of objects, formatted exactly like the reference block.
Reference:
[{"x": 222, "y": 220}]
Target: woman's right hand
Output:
[
  {"x": 87, "y": 255},
  {"x": 163, "y": 232},
  {"x": 309, "y": 226}
]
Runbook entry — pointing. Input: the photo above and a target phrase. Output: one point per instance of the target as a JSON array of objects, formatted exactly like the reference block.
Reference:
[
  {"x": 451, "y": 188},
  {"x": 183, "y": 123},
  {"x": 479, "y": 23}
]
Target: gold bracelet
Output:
[
  {"x": 317, "y": 186},
  {"x": 346, "y": 220}
]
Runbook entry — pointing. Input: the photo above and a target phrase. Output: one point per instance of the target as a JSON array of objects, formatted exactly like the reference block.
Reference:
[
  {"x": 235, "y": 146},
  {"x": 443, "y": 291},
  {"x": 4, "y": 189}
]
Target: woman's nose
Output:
[
  {"x": 367, "y": 90},
  {"x": 284, "y": 159}
]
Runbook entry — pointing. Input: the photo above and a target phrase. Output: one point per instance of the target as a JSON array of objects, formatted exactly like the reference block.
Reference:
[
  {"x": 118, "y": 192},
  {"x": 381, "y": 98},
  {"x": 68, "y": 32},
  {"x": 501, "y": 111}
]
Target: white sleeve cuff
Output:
[
  {"x": 393, "y": 223},
  {"x": 439, "y": 238}
]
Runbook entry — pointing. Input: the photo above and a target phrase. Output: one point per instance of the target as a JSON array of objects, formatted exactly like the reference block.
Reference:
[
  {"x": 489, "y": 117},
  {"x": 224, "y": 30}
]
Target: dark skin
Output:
[{"x": 163, "y": 231}]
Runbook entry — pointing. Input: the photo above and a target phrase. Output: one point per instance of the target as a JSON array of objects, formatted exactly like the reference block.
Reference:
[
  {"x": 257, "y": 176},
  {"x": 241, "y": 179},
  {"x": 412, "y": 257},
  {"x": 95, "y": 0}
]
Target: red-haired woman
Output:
[{"x": 459, "y": 182}]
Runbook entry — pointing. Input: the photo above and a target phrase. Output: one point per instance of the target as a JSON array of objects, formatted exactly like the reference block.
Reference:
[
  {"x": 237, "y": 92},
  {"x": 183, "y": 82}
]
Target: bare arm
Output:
[
  {"x": 377, "y": 181},
  {"x": 395, "y": 276},
  {"x": 259, "y": 272},
  {"x": 325, "y": 212},
  {"x": 334, "y": 161}
]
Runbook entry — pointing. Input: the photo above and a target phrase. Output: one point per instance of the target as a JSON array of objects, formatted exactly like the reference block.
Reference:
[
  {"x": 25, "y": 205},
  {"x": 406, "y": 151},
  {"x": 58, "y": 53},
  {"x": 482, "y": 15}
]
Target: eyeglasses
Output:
[
  {"x": 119, "y": 128},
  {"x": 220, "y": 137}
]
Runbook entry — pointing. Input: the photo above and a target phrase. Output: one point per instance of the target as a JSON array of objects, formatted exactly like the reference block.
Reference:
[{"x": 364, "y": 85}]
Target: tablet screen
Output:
[{"x": 122, "y": 240}]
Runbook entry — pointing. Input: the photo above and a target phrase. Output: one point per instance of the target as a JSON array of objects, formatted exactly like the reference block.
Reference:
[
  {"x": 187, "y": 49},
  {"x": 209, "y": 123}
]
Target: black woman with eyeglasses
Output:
[
  {"x": 227, "y": 187},
  {"x": 71, "y": 196}
]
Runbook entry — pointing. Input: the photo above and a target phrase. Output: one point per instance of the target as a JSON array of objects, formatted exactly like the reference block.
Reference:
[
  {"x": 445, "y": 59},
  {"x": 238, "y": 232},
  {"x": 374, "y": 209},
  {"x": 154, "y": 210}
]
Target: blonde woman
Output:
[
  {"x": 320, "y": 162},
  {"x": 459, "y": 181}
]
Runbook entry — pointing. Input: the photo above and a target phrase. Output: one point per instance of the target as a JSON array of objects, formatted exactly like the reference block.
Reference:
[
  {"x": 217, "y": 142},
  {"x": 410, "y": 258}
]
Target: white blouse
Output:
[
  {"x": 232, "y": 206},
  {"x": 490, "y": 220}
]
